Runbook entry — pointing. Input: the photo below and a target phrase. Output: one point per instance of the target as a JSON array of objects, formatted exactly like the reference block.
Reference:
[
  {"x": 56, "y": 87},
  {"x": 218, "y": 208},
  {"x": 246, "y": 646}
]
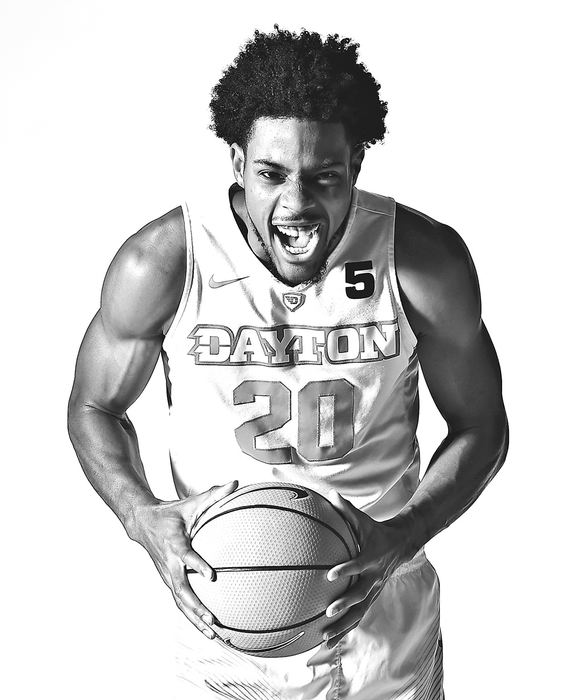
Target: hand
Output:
[
  {"x": 383, "y": 547},
  {"x": 163, "y": 529}
]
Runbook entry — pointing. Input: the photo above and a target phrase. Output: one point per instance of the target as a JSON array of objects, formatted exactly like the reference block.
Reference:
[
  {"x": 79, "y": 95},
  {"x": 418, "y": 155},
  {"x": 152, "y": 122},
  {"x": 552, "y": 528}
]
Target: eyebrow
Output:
[
  {"x": 269, "y": 163},
  {"x": 327, "y": 163}
]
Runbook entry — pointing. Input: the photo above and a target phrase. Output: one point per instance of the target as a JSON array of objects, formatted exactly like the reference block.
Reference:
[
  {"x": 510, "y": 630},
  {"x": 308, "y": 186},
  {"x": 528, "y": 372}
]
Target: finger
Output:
[
  {"x": 190, "y": 605},
  {"x": 352, "y": 567},
  {"x": 211, "y": 496},
  {"x": 189, "y": 601},
  {"x": 201, "y": 624},
  {"x": 343, "y": 624},
  {"x": 333, "y": 641},
  {"x": 322, "y": 656},
  {"x": 355, "y": 594},
  {"x": 196, "y": 565}
]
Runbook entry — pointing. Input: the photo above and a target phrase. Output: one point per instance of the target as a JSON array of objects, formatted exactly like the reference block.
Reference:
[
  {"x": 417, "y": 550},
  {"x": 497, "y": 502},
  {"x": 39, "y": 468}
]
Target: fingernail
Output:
[
  {"x": 208, "y": 619},
  {"x": 332, "y": 575},
  {"x": 331, "y": 612},
  {"x": 325, "y": 637},
  {"x": 209, "y": 633}
]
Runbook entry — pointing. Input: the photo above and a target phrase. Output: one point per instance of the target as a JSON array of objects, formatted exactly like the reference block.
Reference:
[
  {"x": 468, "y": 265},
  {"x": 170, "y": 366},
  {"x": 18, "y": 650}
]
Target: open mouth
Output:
[{"x": 298, "y": 240}]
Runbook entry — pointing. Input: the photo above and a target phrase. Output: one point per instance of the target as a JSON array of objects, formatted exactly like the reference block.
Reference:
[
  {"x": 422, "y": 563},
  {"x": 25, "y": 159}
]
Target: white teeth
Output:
[
  {"x": 296, "y": 231},
  {"x": 296, "y": 251},
  {"x": 298, "y": 240}
]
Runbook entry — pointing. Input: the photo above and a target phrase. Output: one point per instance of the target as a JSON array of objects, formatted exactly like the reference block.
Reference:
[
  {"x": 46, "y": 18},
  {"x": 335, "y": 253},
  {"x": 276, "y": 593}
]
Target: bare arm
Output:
[
  {"x": 118, "y": 354},
  {"x": 116, "y": 359},
  {"x": 442, "y": 302},
  {"x": 459, "y": 363}
]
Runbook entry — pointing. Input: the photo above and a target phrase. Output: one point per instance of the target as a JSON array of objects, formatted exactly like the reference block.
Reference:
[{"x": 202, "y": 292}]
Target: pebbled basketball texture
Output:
[{"x": 271, "y": 545}]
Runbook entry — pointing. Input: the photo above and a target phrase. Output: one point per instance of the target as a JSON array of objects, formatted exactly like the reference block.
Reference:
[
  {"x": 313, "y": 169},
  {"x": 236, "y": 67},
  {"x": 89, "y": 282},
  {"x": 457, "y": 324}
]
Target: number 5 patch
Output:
[{"x": 360, "y": 284}]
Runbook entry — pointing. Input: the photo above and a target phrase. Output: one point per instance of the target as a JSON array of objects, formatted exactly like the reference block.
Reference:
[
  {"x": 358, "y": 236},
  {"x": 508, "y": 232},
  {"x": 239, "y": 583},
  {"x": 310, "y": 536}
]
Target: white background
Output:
[{"x": 104, "y": 125}]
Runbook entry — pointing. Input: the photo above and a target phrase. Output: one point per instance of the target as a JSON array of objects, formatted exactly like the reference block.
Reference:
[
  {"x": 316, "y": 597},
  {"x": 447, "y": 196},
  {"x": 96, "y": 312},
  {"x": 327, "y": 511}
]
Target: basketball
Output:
[{"x": 271, "y": 545}]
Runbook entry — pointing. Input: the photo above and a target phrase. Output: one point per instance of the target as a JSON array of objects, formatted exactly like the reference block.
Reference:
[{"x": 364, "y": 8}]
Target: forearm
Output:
[
  {"x": 458, "y": 472},
  {"x": 107, "y": 449}
]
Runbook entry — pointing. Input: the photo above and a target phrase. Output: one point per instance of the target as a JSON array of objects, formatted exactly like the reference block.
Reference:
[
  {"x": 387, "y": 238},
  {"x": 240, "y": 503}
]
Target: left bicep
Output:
[
  {"x": 463, "y": 376},
  {"x": 456, "y": 353}
]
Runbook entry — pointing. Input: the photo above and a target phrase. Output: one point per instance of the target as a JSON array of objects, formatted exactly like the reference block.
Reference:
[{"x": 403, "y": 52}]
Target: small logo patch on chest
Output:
[{"x": 293, "y": 300}]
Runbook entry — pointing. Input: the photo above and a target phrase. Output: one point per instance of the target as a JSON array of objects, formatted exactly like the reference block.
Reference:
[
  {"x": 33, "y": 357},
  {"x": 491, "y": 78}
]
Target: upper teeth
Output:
[{"x": 296, "y": 231}]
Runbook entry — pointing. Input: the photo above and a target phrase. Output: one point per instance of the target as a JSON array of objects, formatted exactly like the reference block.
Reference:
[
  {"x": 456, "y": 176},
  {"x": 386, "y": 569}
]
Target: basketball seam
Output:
[
  {"x": 274, "y": 507},
  {"x": 274, "y": 629},
  {"x": 282, "y": 567}
]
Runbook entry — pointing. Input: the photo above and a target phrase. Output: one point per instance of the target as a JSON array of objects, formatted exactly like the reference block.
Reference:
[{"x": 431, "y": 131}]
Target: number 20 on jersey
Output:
[{"x": 325, "y": 420}]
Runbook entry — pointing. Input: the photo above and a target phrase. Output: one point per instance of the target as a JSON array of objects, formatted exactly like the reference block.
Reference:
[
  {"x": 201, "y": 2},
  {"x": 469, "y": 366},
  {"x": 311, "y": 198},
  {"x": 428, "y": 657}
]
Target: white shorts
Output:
[{"x": 394, "y": 654}]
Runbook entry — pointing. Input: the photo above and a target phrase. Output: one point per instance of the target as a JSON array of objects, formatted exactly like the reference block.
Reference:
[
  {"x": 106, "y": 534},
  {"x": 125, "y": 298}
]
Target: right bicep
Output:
[
  {"x": 141, "y": 291},
  {"x": 112, "y": 370}
]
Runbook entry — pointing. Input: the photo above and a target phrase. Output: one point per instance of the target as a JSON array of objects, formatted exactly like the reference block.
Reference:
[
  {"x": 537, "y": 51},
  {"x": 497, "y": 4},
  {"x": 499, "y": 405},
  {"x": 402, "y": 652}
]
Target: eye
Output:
[
  {"x": 271, "y": 176},
  {"x": 328, "y": 177}
]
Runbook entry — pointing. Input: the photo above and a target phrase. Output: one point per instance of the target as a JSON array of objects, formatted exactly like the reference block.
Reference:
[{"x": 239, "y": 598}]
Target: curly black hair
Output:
[{"x": 285, "y": 74}]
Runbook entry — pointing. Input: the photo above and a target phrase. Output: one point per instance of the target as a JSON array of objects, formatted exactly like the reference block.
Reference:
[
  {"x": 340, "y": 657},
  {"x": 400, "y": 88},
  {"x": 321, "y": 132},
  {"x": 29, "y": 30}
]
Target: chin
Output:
[{"x": 299, "y": 274}]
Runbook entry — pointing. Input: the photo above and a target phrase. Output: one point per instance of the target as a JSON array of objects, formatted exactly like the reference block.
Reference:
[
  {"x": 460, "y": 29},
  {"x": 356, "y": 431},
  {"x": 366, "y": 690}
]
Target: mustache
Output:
[{"x": 295, "y": 222}]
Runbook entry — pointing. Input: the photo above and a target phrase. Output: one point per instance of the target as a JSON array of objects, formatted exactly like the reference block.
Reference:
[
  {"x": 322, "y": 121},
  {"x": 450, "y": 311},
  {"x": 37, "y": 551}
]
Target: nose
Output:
[{"x": 295, "y": 197}]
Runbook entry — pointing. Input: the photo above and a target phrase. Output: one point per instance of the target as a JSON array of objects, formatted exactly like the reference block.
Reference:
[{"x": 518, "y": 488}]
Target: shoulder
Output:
[
  {"x": 436, "y": 275},
  {"x": 145, "y": 280}
]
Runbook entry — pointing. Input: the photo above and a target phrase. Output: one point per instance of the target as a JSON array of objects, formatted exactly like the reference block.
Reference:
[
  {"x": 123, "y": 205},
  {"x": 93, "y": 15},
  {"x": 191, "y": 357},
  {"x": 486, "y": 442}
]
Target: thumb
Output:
[{"x": 208, "y": 498}]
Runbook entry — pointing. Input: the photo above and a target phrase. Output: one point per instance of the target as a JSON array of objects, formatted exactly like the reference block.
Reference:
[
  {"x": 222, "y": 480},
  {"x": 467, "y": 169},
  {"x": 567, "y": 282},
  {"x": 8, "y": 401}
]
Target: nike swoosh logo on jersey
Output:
[{"x": 222, "y": 283}]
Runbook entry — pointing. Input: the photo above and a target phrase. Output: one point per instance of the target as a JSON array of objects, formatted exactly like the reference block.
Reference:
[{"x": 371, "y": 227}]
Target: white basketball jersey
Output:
[{"x": 314, "y": 384}]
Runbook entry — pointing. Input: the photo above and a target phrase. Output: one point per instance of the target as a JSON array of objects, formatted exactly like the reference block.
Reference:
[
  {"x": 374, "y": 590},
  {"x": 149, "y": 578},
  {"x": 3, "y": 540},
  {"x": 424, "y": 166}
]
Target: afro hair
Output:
[{"x": 284, "y": 74}]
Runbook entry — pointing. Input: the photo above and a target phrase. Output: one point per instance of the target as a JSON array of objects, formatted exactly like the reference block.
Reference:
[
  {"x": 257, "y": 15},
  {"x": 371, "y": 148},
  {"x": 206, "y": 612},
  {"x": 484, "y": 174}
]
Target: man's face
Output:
[{"x": 297, "y": 176}]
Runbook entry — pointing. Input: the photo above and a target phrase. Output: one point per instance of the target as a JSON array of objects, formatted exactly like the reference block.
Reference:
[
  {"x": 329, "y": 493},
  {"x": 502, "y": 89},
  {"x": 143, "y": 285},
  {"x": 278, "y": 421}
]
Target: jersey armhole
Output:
[
  {"x": 188, "y": 275},
  {"x": 394, "y": 280}
]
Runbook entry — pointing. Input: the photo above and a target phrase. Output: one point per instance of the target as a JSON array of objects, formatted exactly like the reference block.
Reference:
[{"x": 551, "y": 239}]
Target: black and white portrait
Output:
[{"x": 312, "y": 244}]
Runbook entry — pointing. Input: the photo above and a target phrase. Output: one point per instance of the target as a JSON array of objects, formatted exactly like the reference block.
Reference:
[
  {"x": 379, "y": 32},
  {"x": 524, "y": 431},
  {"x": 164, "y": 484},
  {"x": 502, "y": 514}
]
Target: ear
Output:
[
  {"x": 238, "y": 162},
  {"x": 356, "y": 159}
]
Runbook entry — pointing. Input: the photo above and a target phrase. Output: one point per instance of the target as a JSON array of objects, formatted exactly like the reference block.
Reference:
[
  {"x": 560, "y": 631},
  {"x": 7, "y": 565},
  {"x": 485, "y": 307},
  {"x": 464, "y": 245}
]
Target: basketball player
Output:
[{"x": 294, "y": 311}]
